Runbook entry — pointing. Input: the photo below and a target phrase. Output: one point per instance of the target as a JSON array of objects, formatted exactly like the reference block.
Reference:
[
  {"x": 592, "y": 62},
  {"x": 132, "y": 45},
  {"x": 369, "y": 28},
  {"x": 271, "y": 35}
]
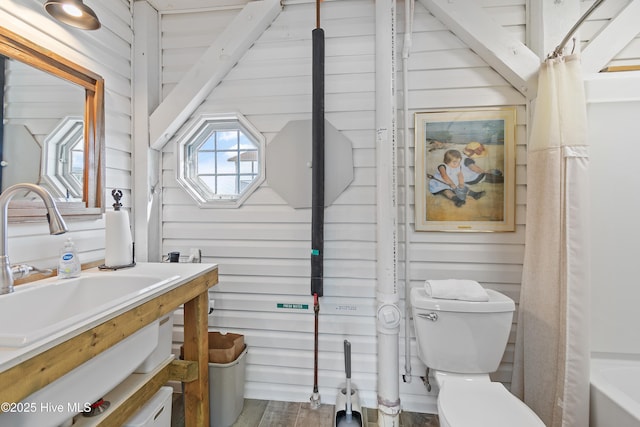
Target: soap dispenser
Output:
[{"x": 69, "y": 262}]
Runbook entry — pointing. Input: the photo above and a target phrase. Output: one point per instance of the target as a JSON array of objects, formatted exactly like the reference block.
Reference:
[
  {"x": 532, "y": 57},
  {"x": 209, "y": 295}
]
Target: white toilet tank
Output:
[{"x": 462, "y": 336}]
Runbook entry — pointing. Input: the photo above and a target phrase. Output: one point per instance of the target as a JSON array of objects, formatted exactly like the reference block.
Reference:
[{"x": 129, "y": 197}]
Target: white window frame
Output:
[
  {"x": 186, "y": 168},
  {"x": 57, "y": 158}
]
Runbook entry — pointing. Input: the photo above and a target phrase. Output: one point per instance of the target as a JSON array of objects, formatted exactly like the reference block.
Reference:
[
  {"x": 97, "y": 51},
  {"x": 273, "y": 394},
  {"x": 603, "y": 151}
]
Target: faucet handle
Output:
[{"x": 20, "y": 271}]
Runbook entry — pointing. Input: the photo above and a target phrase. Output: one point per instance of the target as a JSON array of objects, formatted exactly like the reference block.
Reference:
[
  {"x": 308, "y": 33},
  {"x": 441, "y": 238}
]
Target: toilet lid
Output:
[{"x": 483, "y": 404}]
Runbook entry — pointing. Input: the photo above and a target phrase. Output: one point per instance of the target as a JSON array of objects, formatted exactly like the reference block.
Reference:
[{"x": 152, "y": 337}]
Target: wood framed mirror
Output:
[{"x": 87, "y": 199}]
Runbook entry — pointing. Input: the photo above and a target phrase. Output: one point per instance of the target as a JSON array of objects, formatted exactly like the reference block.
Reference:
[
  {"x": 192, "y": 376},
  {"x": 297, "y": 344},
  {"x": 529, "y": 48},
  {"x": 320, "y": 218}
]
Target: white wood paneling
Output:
[
  {"x": 609, "y": 11},
  {"x": 210, "y": 69},
  {"x": 107, "y": 52},
  {"x": 263, "y": 247},
  {"x": 473, "y": 24},
  {"x": 619, "y": 33}
]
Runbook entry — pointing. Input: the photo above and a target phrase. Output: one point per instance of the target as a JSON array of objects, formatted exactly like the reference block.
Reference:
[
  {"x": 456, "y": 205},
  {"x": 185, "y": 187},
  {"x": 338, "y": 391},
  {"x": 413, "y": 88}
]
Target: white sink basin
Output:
[
  {"x": 38, "y": 310},
  {"x": 41, "y": 314}
]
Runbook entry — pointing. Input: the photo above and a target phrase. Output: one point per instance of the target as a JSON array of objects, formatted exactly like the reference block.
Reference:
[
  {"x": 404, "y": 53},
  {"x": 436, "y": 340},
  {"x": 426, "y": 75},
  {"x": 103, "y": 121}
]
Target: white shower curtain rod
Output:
[{"x": 558, "y": 50}]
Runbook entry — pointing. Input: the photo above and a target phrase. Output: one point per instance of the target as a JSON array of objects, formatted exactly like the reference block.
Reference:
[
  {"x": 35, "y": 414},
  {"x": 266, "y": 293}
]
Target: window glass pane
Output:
[
  {"x": 245, "y": 181},
  {"x": 77, "y": 163},
  {"x": 226, "y": 185},
  {"x": 206, "y": 162},
  {"x": 209, "y": 181},
  {"x": 221, "y": 159},
  {"x": 249, "y": 162},
  {"x": 209, "y": 143},
  {"x": 227, "y": 140},
  {"x": 227, "y": 162},
  {"x": 246, "y": 143}
]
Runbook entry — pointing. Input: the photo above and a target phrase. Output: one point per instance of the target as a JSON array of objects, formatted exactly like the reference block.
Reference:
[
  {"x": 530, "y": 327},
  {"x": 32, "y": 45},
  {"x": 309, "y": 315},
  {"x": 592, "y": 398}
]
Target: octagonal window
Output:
[
  {"x": 63, "y": 154},
  {"x": 220, "y": 160}
]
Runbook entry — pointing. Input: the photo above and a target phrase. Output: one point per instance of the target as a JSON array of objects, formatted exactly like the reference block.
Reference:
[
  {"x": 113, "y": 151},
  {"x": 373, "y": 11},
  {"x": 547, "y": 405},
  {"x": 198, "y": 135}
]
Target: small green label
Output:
[
  {"x": 315, "y": 252},
  {"x": 294, "y": 306}
]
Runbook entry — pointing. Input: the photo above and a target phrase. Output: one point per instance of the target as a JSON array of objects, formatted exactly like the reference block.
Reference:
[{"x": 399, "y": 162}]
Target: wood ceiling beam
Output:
[
  {"x": 210, "y": 69},
  {"x": 494, "y": 44},
  {"x": 612, "y": 39}
]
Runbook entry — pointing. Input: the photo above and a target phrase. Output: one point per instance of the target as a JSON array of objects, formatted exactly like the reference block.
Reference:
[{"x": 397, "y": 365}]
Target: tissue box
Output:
[{"x": 223, "y": 348}]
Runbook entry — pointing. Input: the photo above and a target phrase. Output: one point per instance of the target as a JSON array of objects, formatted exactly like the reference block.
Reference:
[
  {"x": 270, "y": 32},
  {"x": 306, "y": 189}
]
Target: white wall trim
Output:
[
  {"x": 612, "y": 87},
  {"x": 146, "y": 93},
  {"x": 548, "y": 24}
]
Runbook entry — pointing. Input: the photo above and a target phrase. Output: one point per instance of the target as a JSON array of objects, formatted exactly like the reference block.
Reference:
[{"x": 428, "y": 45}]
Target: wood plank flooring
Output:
[{"x": 263, "y": 413}]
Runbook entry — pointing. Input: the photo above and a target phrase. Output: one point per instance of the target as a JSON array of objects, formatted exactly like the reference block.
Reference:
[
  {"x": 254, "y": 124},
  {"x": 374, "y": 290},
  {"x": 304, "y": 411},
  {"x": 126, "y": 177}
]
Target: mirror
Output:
[
  {"x": 43, "y": 137},
  {"x": 53, "y": 129}
]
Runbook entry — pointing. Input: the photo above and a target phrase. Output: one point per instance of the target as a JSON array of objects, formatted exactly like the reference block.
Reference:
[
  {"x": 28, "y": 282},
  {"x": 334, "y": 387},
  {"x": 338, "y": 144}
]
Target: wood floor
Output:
[{"x": 263, "y": 413}]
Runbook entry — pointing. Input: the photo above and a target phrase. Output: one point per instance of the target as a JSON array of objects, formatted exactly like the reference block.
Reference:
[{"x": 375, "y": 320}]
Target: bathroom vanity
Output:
[{"x": 31, "y": 366}]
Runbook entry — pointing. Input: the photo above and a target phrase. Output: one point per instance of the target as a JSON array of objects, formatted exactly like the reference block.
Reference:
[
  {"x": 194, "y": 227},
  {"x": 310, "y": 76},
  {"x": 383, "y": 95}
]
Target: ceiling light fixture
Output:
[{"x": 73, "y": 12}]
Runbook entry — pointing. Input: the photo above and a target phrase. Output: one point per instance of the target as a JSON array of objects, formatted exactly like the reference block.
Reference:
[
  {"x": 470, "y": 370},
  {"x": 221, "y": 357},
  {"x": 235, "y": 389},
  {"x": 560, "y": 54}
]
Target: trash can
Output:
[
  {"x": 227, "y": 360},
  {"x": 227, "y": 354},
  {"x": 226, "y": 391}
]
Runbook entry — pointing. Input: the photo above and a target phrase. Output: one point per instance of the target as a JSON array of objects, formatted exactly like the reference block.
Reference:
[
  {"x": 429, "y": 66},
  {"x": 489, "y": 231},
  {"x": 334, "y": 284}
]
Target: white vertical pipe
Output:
[
  {"x": 388, "y": 318},
  {"x": 146, "y": 95},
  {"x": 406, "y": 50}
]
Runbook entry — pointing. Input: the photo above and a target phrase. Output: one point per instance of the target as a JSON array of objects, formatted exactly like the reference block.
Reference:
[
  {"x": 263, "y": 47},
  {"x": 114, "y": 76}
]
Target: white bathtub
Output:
[{"x": 615, "y": 392}]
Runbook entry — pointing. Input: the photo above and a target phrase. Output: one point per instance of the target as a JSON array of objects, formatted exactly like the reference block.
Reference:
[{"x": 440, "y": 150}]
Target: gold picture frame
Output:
[{"x": 465, "y": 170}]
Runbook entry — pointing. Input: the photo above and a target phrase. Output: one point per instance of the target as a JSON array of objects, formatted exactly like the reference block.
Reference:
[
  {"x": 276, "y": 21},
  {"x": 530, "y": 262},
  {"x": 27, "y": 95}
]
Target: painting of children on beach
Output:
[{"x": 465, "y": 169}]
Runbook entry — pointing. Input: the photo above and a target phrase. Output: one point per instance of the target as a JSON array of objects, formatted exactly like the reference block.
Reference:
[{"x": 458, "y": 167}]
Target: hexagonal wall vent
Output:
[{"x": 289, "y": 157}]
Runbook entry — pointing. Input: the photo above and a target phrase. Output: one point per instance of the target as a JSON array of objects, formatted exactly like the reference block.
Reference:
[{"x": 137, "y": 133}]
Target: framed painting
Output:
[{"x": 465, "y": 170}]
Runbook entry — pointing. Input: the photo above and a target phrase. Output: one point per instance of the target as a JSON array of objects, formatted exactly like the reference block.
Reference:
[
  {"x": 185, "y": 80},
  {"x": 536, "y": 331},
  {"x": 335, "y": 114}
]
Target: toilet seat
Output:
[{"x": 482, "y": 404}]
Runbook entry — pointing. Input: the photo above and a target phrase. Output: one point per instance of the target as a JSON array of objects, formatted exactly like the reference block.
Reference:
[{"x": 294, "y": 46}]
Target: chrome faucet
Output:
[{"x": 56, "y": 226}]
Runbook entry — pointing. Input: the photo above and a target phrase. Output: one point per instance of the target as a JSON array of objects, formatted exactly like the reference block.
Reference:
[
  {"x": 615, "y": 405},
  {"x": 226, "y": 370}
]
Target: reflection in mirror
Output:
[
  {"x": 63, "y": 159},
  {"x": 53, "y": 120},
  {"x": 43, "y": 127}
]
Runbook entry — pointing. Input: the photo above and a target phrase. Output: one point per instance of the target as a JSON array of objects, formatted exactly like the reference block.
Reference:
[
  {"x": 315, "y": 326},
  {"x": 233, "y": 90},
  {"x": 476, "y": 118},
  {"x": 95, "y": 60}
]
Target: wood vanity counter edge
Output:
[{"x": 44, "y": 368}]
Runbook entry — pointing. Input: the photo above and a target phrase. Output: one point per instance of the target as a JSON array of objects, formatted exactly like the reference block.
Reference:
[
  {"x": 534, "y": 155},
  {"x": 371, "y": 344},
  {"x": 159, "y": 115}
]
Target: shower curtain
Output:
[{"x": 551, "y": 365}]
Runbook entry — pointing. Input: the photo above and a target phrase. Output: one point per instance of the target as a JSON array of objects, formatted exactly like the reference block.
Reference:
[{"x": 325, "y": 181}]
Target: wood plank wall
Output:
[
  {"x": 263, "y": 246},
  {"x": 607, "y": 11},
  {"x": 107, "y": 52}
]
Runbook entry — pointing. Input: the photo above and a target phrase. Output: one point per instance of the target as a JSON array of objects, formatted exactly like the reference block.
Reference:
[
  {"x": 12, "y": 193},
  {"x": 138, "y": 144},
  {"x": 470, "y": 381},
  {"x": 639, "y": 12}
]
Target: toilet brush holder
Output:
[
  {"x": 348, "y": 403},
  {"x": 341, "y": 405}
]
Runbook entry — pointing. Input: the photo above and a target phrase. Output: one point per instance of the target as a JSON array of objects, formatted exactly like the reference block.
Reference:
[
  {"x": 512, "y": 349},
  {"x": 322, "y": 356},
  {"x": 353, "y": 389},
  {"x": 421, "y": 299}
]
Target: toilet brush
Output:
[{"x": 347, "y": 417}]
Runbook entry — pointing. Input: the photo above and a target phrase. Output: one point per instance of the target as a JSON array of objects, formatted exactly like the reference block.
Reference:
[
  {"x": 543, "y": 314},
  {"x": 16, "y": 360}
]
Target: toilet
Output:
[{"x": 461, "y": 342}]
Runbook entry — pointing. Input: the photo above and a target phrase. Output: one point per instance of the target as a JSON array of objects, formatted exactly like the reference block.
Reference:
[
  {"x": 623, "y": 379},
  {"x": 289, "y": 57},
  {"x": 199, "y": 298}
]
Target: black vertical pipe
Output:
[{"x": 317, "y": 183}]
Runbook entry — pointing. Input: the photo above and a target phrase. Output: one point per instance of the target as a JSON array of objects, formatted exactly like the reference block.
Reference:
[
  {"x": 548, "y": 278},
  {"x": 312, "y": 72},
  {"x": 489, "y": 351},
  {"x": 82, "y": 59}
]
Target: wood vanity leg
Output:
[{"x": 196, "y": 348}]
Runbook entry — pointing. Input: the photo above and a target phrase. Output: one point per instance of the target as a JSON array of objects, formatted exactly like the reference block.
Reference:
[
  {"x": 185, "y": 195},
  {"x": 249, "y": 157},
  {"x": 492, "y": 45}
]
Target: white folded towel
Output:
[{"x": 466, "y": 290}]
